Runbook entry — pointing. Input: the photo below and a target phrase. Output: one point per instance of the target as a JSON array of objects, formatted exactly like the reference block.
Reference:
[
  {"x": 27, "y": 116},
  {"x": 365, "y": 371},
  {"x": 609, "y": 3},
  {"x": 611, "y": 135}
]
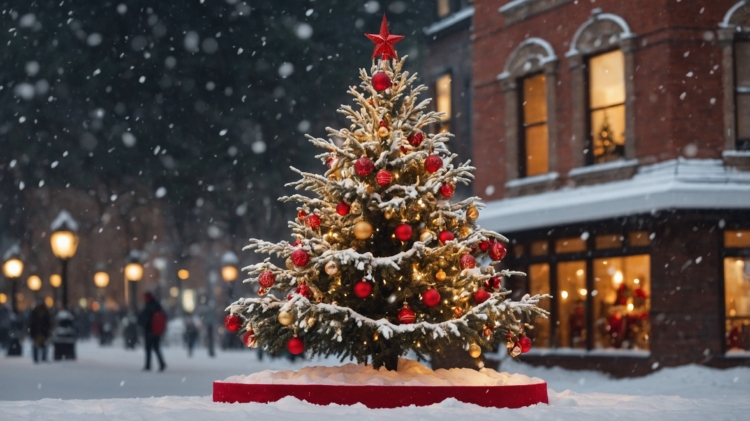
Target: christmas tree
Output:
[{"x": 383, "y": 263}]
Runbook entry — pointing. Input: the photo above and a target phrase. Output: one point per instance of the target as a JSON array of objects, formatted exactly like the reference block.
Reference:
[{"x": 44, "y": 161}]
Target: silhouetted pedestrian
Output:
[
  {"x": 154, "y": 322},
  {"x": 40, "y": 324},
  {"x": 191, "y": 335}
]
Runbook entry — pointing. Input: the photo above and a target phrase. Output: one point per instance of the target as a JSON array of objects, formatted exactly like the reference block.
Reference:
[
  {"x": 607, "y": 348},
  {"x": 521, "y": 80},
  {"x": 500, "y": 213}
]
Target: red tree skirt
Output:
[{"x": 383, "y": 396}]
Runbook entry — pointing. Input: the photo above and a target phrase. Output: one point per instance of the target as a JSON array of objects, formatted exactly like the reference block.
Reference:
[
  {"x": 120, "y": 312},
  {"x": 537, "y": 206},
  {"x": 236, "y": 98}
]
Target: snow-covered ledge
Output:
[
  {"x": 534, "y": 184},
  {"x": 573, "y": 352},
  {"x": 609, "y": 171},
  {"x": 737, "y": 159}
]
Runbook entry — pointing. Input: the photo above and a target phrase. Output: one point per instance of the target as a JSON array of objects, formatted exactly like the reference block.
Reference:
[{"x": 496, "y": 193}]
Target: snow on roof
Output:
[
  {"x": 13, "y": 251},
  {"x": 64, "y": 220},
  {"x": 674, "y": 184},
  {"x": 451, "y": 20}
]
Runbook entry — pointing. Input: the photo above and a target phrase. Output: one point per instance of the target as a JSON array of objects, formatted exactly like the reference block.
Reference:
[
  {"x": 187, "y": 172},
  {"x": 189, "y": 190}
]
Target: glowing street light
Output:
[
  {"x": 133, "y": 274},
  {"x": 101, "y": 279},
  {"x": 64, "y": 243},
  {"x": 34, "y": 283},
  {"x": 55, "y": 280},
  {"x": 229, "y": 272},
  {"x": 12, "y": 269}
]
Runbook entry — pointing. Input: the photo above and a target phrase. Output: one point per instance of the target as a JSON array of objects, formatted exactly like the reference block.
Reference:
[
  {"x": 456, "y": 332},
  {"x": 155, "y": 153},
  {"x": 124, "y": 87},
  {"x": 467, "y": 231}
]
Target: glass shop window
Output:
[
  {"x": 737, "y": 239},
  {"x": 571, "y": 285},
  {"x": 621, "y": 302},
  {"x": 444, "y": 101},
  {"x": 534, "y": 147},
  {"x": 607, "y": 106},
  {"x": 539, "y": 248},
  {"x": 639, "y": 239},
  {"x": 539, "y": 283},
  {"x": 570, "y": 245},
  {"x": 737, "y": 303},
  {"x": 609, "y": 241}
]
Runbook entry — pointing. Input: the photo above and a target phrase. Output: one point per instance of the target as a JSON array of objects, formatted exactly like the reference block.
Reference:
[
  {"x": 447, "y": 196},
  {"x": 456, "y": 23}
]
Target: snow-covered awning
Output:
[{"x": 675, "y": 184}]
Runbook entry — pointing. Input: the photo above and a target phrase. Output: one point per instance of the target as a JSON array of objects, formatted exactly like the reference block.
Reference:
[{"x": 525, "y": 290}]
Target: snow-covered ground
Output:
[{"x": 103, "y": 383}]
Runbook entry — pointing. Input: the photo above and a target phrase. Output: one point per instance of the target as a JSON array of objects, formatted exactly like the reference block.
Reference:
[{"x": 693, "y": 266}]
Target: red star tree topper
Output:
[{"x": 384, "y": 42}]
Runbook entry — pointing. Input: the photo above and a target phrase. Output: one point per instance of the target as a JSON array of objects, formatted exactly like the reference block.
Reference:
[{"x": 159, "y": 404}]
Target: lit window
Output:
[
  {"x": 742, "y": 74},
  {"x": 621, "y": 302},
  {"x": 737, "y": 303},
  {"x": 518, "y": 250},
  {"x": 639, "y": 239},
  {"x": 571, "y": 317},
  {"x": 443, "y": 93},
  {"x": 539, "y": 248},
  {"x": 539, "y": 284},
  {"x": 609, "y": 241},
  {"x": 607, "y": 106},
  {"x": 737, "y": 239},
  {"x": 534, "y": 146},
  {"x": 570, "y": 245},
  {"x": 443, "y": 8}
]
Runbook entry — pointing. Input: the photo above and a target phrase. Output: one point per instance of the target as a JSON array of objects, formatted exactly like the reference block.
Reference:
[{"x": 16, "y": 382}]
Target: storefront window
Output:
[
  {"x": 571, "y": 285},
  {"x": 737, "y": 302},
  {"x": 621, "y": 302},
  {"x": 570, "y": 245},
  {"x": 539, "y": 284},
  {"x": 610, "y": 241}
]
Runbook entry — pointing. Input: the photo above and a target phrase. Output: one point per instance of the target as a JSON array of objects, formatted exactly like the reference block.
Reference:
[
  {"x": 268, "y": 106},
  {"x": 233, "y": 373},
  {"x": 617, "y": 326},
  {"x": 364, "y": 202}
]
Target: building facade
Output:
[{"x": 612, "y": 145}]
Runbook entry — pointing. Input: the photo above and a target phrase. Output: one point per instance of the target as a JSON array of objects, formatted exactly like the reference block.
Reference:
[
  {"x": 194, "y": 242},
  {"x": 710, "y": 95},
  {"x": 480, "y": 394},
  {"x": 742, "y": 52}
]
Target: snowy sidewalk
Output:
[{"x": 103, "y": 377}]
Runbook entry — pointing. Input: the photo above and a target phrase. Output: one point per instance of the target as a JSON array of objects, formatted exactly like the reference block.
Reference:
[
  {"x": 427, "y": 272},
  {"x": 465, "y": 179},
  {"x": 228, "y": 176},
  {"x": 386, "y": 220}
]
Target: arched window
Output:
[
  {"x": 601, "y": 60},
  {"x": 735, "y": 39},
  {"x": 529, "y": 81}
]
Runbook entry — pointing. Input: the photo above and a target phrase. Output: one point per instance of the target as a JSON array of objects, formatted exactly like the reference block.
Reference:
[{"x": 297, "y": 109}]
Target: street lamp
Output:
[
  {"x": 229, "y": 270},
  {"x": 101, "y": 279},
  {"x": 64, "y": 242},
  {"x": 12, "y": 269},
  {"x": 133, "y": 274},
  {"x": 34, "y": 283}
]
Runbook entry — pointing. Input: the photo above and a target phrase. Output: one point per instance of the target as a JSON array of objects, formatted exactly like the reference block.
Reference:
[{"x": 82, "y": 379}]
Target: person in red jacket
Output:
[{"x": 153, "y": 321}]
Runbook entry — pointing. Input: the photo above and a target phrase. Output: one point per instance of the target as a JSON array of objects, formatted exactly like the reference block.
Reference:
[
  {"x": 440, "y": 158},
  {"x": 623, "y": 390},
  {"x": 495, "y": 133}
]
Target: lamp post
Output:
[
  {"x": 64, "y": 242},
  {"x": 229, "y": 271},
  {"x": 35, "y": 284},
  {"x": 133, "y": 274},
  {"x": 55, "y": 280},
  {"x": 12, "y": 269}
]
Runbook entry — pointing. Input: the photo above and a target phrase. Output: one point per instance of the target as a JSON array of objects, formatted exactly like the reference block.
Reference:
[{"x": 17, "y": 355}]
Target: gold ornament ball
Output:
[
  {"x": 426, "y": 236},
  {"x": 310, "y": 321},
  {"x": 389, "y": 213},
  {"x": 440, "y": 275},
  {"x": 383, "y": 132},
  {"x": 442, "y": 262},
  {"x": 475, "y": 351},
  {"x": 331, "y": 268},
  {"x": 362, "y": 230},
  {"x": 472, "y": 213},
  {"x": 285, "y": 318}
]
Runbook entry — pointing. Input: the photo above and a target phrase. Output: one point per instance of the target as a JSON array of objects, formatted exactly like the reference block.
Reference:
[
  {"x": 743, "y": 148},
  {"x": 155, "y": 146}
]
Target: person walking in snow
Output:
[
  {"x": 153, "y": 320},
  {"x": 40, "y": 324}
]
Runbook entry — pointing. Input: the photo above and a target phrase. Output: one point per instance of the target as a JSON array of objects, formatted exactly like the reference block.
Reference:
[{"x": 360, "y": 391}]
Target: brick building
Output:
[{"x": 612, "y": 141}]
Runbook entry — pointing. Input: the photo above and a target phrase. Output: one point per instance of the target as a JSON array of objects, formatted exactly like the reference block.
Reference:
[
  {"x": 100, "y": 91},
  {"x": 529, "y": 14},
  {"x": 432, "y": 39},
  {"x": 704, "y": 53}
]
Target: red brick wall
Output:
[{"x": 665, "y": 124}]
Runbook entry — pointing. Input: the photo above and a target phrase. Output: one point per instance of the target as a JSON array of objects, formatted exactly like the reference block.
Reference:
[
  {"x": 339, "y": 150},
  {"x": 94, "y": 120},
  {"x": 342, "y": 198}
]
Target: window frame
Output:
[
  {"x": 522, "y": 158},
  {"x": 725, "y": 252},
  {"x": 590, "y": 159},
  {"x": 449, "y": 122},
  {"x": 740, "y": 144},
  {"x": 588, "y": 256}
]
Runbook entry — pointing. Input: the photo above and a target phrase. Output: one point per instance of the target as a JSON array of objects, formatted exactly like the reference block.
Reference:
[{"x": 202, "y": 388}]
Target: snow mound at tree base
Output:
[{"x": 410, "y": 373}]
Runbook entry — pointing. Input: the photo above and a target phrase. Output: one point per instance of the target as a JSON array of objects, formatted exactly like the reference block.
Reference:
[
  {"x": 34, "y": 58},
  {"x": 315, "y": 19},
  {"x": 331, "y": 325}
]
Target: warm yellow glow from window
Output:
[
  {"x": 101, "y": 279},
  {"x": 580, "y": 272},
  {"x": 174, "y": 292},
  {"x": 183, "y": 274},
  {"x": 539, "y": 283},
  {"x": 617, "y": 278},
  {"x": 133, "y": 272},
  {"x": 737, "y": 238},
  {"x": 606, "y": 101},
  {"x": 539, "y": 248},
  {"x": 608, "y": 241},
  {"x": 564, "y": 294},
  {"x": 570, "y": 245},
  {"x": 630, "y": 307},
  {"x": 639, "y": 239},
  {"x": 443, "y": 100},
  {"x": 3, "y": 298},
  {"x": 188, "y": 300},
  {"x": 536, "y": 137},
  {"x": 13, "y": 268},
  {"x": 443, "y": 8},
  {"x": 34, "y": 283},
  {"x": 583, "y": 291},
  {"x": 49, "y": 301},
  {"x": 55, "y": 280},
  {"x": 229, "y": 273},
  {"x": 571, "y": 310},
  {"x": 64, "y": 244}
]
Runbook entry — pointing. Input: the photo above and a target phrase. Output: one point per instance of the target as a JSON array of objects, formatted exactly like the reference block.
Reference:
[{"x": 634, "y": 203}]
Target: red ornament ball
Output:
[
  {"x": 415, "y": 139},
  {"x": 383, "y": 178},
  {"x": 406, "y": 316},
  {"x": 304, "y": 291},
  {"x": 484, "y": 245},
  {"x": 362, "y": 289},
  {"x": 403, "y": 232},
  {"x": 300, "y": 257},
  {"x": 481, "y": 296},
  {"x": 295, "y": 346},
  {"x": 468, "y": 262},
  {"x": 343, "y": 208},
  {"x": 493, "y": 283},
  {"x": 312, "y": 221},
  {"x": 381, "y": 81},
  {"x": 364, "y": 166},
  {"x": 446, "y": 236},
  {"x": 431, "y": 297},
  {"x": 525, "y": 344},
  {"x": 433, "y": 163},
  {"x": 447, "y": 190},
  {"x": 233, "y": 322},
  {"x": 266, "y": 279},
  {"x": 248, "y": 338},
  {"x": 497, "y": 251}
]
